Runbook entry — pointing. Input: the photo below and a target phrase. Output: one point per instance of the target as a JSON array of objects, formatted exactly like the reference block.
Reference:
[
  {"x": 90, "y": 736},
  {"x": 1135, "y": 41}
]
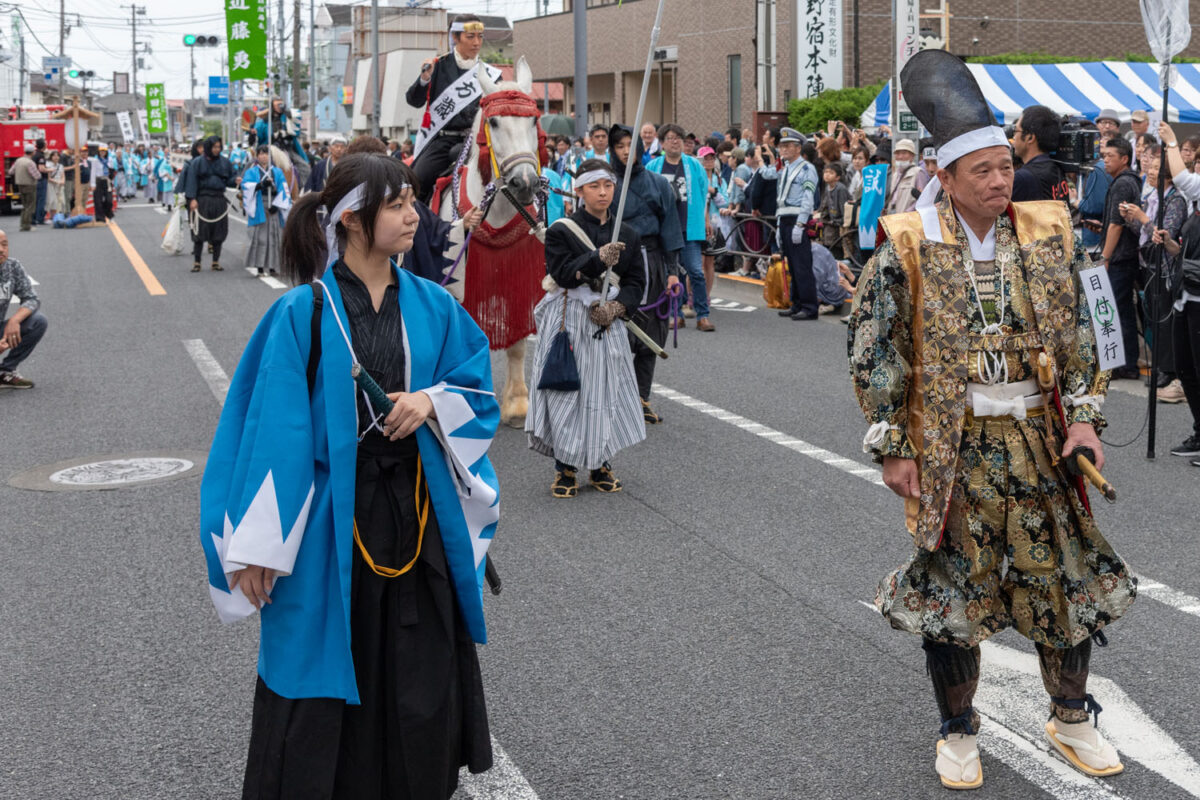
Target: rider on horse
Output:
[
  {"x": 448, "y": 90},
  {"x": 285, "y": 134}
]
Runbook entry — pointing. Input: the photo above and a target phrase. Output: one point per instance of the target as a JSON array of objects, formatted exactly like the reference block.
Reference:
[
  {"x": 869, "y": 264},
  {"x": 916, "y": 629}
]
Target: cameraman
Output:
[{"x": 1035, "y": 136}]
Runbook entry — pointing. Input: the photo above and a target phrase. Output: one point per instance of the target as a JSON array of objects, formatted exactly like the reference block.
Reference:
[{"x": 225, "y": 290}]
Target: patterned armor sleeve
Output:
[
  {"x": 880, "y": 345},
  {"x": 1084, "y": 385}
]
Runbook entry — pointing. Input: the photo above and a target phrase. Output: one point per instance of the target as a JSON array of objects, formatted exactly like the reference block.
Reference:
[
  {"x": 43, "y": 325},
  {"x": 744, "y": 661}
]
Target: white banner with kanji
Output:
[
  {"x": 454, "y": 99},
  {"x": 1106, "y": 322}
]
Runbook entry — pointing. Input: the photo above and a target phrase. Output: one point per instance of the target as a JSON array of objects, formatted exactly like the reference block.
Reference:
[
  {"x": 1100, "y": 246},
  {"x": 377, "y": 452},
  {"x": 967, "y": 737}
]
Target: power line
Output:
[{"x": 29, "y": 27}]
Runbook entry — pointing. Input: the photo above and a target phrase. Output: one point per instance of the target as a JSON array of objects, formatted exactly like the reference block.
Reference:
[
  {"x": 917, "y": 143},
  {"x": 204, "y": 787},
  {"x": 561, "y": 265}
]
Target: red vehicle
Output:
[{"x": 22, "y": 126}]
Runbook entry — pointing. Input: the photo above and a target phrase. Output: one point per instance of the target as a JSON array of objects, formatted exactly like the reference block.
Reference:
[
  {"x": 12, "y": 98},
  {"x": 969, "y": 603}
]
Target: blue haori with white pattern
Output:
[
  {"x": 278, "y": 489},
  {"x": 1082, "y": 89}
]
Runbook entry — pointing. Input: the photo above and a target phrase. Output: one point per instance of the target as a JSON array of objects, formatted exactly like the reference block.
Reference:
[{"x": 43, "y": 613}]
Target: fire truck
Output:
[{"x": 22, "y": 125}]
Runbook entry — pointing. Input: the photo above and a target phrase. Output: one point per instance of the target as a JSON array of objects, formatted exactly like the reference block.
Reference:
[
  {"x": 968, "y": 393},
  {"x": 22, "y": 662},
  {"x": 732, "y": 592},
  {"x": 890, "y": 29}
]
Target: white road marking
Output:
[
  {"x": 14, "y": 299},
  {"x": 1012, "y": 702},
  {"x": 504, "y": 780},
  {"x": 210, "y": 368},
  {"x": 730, "y": 305},
  {"x": 1168, "y": 596},
  {"x": 269, "y": 280},
  {"x": 1130, "y": 729},
  {"x": 1146, "y": 586},
  {"x": 855, "y": 468}
]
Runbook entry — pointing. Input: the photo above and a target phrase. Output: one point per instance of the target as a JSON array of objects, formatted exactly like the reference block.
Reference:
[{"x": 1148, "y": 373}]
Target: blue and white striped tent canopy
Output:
[{"x": 1078, "y": 89}]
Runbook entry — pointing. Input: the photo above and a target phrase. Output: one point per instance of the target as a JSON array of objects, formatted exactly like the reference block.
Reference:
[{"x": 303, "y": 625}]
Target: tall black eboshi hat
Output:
[{"x": 941, "y": 91}]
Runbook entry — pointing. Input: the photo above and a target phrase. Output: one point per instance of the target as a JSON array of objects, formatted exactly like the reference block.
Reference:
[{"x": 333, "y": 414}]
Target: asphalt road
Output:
[{"x": 701, "y": 635}]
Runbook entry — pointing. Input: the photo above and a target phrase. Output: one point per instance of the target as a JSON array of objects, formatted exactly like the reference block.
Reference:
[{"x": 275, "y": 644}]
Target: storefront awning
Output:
[{"x": 1078, "y": 89}]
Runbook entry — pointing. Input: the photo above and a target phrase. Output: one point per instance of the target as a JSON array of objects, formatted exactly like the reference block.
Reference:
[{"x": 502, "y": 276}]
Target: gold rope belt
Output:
[{"x": 422, "y": 519}]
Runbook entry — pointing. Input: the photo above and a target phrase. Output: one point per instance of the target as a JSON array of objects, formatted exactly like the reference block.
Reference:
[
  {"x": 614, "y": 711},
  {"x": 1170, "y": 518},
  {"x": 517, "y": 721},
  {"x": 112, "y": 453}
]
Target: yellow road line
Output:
[
  {"x": 139, "y": 264},
  {"x": 740, "y": 279}
]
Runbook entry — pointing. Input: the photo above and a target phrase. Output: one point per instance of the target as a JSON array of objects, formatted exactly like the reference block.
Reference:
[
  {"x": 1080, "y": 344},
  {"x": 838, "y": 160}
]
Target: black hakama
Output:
[
  {"x": 422, "y": 714},
  {"x": 213, "y": 207}
]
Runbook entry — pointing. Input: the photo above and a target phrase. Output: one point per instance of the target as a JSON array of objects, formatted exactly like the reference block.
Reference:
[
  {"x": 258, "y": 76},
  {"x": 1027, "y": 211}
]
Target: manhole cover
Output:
[
  {"x": 121, "y": 471},
  {"x": 118, "y": 471}
]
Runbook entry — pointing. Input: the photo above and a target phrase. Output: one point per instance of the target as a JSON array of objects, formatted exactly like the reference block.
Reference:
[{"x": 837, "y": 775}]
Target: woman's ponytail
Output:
[
  {"x": 304, "y": 241},
  {"x": 383, "y": 179}
]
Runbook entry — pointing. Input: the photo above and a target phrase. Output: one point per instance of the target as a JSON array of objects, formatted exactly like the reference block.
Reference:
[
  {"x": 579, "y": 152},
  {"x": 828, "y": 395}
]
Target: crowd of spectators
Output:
[{"x": 726, "y": 186}]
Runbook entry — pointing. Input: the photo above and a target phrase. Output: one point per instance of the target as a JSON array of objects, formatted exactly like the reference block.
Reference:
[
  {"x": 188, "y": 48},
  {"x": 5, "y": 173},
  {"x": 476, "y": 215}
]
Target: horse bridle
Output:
[{"x": 501, "y": 168}]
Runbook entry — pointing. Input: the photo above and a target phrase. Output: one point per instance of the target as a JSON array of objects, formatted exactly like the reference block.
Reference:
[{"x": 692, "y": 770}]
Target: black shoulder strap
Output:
[{"x": 314, "y": 351}]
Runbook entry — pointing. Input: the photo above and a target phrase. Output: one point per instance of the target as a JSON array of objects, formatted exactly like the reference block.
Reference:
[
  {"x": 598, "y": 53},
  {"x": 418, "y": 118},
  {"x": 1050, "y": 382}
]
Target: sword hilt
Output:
[{"x": 378, "y": 397}]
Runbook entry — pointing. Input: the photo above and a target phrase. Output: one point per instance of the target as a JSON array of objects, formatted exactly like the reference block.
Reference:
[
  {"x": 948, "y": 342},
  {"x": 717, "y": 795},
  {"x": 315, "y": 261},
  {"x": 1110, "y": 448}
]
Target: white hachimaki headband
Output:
[
  {"x": 471, "y": 25},
  {"x": 956, "y": 148},
  {"x": 352, "y": 201},
  {"x": 593, "y": 176}
]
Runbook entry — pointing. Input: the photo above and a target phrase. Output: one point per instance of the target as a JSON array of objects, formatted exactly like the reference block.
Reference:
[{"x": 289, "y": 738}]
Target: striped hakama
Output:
[
  {"x": 584, "y": 428},
  {"x": 265, "y": 241}
]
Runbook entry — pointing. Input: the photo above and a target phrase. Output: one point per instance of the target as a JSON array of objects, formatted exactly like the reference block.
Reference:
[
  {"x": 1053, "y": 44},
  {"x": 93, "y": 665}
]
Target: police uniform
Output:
[{"x": 796, "y": 184}]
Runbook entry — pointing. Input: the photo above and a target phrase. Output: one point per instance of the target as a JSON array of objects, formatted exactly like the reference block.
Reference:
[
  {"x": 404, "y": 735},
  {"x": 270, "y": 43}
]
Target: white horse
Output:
[{"x": 514, "y": 143}]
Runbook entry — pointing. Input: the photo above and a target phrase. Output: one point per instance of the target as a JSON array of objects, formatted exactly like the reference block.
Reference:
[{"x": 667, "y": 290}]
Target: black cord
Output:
[{"x": 1136, "y": 436}]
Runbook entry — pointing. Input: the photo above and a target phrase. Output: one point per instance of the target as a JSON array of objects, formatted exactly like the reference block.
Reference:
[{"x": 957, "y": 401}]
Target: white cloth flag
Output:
[{"x": 126, "y": 126}]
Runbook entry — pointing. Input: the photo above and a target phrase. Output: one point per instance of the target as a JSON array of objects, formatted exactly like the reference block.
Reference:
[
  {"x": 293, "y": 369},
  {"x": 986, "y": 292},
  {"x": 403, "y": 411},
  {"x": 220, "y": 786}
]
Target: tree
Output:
[
  {"x": 210, "y": 127},
  {"x": 848, "y": 105}
]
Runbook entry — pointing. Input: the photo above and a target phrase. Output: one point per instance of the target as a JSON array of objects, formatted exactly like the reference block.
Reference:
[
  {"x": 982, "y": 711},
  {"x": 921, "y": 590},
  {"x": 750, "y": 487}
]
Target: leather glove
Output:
[
  {"x": 603, "y": 314},
  {"x": 610, "y": 253},
  {"x": 797, "y": 232}
]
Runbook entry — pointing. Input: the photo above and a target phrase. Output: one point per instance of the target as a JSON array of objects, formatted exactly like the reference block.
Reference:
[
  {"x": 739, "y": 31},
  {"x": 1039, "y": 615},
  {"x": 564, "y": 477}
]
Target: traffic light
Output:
[
  {"x": 192, "y": 40},
  {"x": 81, "y": 73}
]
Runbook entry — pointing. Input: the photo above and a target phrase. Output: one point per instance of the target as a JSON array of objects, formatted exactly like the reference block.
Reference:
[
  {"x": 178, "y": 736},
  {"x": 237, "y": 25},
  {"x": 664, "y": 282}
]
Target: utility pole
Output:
[
  {"x": 134, "y": 10},
  {"x": 579, "y": 7},
  {"x": 375, "y": 127},
  {"x": 312, "y": 71},
  {"x": 20, "y": 64},
  {"x": 284, "y": 75},
  {"x": 295, "y": 53},
  {"x": 62, "y": 39},
  {"x": 192, "y": 56}
]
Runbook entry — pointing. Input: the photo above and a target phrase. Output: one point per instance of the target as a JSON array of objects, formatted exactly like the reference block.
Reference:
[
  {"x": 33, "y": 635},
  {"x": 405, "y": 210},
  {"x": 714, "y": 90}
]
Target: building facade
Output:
[
  {"x": 710, "y": 71},
  {"x": 720, "y": 62}
]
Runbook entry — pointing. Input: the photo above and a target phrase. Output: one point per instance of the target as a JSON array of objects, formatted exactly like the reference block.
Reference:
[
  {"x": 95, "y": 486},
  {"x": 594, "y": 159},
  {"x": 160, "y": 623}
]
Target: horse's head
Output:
[{"x": 512, "y": 131}]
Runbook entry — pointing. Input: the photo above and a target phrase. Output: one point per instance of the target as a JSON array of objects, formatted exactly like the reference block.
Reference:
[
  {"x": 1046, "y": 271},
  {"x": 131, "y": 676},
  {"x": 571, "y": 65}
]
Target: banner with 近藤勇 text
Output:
[
  {"x": 820, "y": 55},
  {"x": 126, "y": 123},
  {"x": 246, "y": 33},
  {"x": 156, "y": 108},
  {"x": 874, "y": 180},
  {"x": 1106, "y": 322}
]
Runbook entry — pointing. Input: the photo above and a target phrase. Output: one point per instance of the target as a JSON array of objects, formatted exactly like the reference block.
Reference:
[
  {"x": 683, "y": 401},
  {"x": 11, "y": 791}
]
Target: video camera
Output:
[{"x": 1078, "y": 147}]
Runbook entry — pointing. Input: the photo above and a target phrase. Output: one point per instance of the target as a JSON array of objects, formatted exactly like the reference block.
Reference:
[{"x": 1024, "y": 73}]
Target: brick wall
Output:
[
  {"x": 1094, "y": 30},
  {"x": 707, "y": 32}
]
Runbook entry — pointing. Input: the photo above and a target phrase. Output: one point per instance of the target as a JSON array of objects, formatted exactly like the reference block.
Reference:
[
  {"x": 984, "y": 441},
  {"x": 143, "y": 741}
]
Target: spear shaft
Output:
[{"x": 637, "y": 124}]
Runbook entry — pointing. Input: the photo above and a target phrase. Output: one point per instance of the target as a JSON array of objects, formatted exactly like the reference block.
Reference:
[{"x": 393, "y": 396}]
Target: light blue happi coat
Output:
[{"x": 278, "y": 488}]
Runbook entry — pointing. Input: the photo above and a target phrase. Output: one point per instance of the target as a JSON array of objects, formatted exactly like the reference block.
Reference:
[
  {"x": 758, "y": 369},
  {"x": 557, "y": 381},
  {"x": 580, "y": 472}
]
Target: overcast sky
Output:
[{"x": 104, "y": 41}]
